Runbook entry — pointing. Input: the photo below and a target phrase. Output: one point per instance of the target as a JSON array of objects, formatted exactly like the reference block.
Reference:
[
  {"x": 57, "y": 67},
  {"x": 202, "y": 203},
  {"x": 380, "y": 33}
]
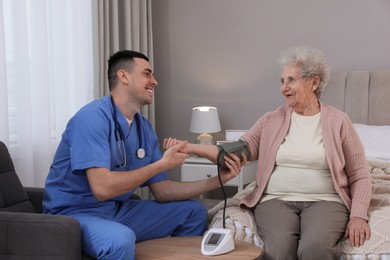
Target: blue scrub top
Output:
[{"x": 89, "y": 141}]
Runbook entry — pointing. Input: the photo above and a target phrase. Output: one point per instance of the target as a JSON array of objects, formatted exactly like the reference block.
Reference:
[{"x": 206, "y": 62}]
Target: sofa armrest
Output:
[
  {"x": 36, "y": 197},
  {"x": 39, "y": 236}
]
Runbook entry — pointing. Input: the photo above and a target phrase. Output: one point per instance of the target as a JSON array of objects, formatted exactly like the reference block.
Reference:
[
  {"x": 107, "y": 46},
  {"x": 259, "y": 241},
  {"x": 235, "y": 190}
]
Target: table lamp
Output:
[{"x": 204, "y": 120}]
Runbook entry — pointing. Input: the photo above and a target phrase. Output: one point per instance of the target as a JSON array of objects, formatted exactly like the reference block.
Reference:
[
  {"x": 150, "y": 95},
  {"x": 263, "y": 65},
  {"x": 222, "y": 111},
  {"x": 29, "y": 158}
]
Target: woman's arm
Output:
[
  {"x": 203, "y": 150},
  {"x": 172, "y": 191}
]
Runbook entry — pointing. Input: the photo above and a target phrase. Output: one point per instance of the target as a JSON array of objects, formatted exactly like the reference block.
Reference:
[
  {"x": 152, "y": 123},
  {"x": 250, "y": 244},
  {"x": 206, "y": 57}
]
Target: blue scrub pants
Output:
[{"x": 112, "y": 234}]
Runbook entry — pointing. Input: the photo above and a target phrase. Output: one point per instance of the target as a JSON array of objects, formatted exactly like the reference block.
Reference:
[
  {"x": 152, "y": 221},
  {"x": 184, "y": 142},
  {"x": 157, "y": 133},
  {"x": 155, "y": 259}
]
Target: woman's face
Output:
[{"x": 297, "y": 91}]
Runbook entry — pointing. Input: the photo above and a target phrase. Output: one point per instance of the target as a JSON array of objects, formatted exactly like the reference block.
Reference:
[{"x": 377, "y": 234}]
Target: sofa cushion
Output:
[{"x": 13, "y": 198}]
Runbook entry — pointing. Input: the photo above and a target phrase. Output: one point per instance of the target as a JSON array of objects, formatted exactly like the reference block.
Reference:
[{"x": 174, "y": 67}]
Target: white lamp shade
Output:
[{"x": 204, "y": 120}]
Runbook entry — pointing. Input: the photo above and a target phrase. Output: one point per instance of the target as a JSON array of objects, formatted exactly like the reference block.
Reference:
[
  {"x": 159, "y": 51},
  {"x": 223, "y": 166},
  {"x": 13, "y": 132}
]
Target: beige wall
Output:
[{"x": 223, "y": 52}]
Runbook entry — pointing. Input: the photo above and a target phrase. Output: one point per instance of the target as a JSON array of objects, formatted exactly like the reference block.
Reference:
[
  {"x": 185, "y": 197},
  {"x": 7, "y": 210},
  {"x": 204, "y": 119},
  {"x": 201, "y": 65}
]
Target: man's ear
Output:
[{"x": 123, "y": 76}]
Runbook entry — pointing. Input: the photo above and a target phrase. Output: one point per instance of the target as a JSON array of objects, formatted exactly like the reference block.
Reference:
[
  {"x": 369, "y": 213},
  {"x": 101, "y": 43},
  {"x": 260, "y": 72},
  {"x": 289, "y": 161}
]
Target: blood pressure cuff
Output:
[{"x": 236, "y": 147}]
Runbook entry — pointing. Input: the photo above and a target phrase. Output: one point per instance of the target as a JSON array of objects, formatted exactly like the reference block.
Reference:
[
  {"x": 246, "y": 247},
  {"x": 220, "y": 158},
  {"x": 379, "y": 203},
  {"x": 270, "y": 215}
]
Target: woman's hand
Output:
[
  {"x": 358, "y": 231},
  {"x": 169, "y": 142},
  {"x": 173, "y": 156},
  {"x": 234, "y": 165}
]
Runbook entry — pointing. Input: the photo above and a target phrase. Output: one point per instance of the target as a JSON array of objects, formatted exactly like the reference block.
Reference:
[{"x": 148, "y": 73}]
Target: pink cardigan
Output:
[{"x": 343, "y": 148}]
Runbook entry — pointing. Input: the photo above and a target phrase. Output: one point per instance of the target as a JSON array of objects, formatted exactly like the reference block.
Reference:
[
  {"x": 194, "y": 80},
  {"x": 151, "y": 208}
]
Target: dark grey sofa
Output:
[{"x": 25, "y": 233}]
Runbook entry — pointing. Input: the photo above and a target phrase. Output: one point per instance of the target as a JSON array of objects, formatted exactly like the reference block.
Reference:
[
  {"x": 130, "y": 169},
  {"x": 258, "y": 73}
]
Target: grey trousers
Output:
[{"x": 301, "y": 230}]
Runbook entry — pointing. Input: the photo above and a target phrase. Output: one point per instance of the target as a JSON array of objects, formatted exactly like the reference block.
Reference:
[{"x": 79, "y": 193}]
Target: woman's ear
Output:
[{"x": 315, "y": 82}]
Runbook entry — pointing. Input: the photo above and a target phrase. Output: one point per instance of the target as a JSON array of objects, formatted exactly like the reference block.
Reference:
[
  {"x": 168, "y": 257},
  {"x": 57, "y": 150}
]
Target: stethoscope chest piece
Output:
[{"x": 141, "y": 153}]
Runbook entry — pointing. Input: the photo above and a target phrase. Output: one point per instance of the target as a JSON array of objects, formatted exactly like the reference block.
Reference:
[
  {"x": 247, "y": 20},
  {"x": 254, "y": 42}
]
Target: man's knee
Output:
[
  {"x": 202, "y": 213},
  {"x": 196, "y": 221},
  {"x": 195, "y": 208},
  {"x": 119, "y": 246},
  {"x": 202, "y": 210}
]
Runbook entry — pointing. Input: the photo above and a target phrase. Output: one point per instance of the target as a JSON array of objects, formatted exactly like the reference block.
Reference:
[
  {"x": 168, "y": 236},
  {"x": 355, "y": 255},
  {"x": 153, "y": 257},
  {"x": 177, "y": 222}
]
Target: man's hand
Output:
[
  {"x": 173, "y": 156},
  {"x": 234, "y": 165},
  {"x": 358, "y": 231}
]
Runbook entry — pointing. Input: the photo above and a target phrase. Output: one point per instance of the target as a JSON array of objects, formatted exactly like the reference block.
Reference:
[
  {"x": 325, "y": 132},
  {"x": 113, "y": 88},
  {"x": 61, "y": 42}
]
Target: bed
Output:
[{"x": 364, "y": 96}]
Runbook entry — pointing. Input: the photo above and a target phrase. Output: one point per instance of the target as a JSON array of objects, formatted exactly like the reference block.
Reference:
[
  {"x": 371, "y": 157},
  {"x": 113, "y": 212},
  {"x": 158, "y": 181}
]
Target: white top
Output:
[
  {"x": 129, "y": 121},
  {"x": 301, "y": 172}
]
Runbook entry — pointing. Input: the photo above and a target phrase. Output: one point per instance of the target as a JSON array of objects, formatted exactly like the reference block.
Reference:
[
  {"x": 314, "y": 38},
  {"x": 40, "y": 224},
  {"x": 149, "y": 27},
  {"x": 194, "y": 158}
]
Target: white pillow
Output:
[{"x": 376, "y": 141}]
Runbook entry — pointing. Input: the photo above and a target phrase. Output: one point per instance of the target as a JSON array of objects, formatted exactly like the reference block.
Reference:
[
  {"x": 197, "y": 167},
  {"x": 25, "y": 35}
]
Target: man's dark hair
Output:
[{"x": 121, "y": 60}]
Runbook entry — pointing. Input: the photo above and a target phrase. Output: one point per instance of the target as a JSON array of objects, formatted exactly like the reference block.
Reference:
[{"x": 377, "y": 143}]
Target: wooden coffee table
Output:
[{"x": 189, "y": 248}]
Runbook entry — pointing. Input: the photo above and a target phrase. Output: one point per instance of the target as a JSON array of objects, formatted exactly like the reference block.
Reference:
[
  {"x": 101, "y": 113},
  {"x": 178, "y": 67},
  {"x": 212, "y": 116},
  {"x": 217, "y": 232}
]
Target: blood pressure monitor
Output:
[{"x": 217, "y": 241}]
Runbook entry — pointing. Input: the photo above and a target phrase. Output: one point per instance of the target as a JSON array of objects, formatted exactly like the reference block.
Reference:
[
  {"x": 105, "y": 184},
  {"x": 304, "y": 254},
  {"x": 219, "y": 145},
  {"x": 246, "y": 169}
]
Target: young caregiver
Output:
[{"x": 107, "y": 151}]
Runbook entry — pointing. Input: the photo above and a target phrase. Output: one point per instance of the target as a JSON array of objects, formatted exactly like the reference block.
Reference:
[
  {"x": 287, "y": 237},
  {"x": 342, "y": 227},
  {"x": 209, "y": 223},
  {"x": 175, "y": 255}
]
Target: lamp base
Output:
[{"x": 205, "y": 139}]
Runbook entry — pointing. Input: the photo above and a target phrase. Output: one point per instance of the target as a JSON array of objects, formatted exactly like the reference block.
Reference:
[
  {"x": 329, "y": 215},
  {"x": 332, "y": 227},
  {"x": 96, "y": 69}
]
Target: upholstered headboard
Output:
[{"x": 363, "y": 95}]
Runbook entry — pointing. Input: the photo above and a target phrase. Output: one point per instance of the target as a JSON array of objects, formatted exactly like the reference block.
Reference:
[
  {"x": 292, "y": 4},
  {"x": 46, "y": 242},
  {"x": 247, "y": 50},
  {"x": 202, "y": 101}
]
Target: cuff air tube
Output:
[{"x": 236, "y": 147}]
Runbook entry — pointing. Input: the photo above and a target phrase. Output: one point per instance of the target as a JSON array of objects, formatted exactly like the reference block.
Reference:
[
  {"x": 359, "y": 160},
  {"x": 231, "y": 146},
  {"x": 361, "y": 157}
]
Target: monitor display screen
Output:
[{"x": 214, "y": 238}]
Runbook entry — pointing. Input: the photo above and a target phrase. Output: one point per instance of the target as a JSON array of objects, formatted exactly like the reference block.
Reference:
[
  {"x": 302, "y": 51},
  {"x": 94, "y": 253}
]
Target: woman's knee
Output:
[
  {"x": 318, "y": 249},
  {"x": 280, "y": 246}
]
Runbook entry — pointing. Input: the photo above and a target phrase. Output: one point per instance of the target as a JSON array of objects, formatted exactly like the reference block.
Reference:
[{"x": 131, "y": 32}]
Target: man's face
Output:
[{"x": 142, "y": 82}]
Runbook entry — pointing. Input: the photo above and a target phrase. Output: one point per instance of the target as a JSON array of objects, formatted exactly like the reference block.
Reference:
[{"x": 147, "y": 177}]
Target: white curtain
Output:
[{"x": 46, "y": 75}]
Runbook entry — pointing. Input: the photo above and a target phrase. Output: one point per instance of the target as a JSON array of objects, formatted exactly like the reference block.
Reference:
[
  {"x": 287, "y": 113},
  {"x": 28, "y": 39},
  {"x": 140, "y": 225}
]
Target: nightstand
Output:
[{"x": 198, "y": 168}]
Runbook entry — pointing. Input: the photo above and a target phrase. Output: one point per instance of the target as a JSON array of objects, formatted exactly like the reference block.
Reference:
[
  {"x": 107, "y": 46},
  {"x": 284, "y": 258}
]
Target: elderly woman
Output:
[{"x": 313, "y": 184}]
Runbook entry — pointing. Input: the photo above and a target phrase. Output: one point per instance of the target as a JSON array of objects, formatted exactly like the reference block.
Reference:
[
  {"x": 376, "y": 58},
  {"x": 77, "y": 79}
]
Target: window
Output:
[{"x": 46, "y": 47}]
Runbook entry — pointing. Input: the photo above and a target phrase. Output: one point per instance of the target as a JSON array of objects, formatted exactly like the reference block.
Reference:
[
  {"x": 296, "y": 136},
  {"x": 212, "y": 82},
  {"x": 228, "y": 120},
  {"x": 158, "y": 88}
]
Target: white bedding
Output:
[
  {"x": 376, "y": 141},
  {"x": 378, "y": 247},
  {"x": 366, "y": 257}
]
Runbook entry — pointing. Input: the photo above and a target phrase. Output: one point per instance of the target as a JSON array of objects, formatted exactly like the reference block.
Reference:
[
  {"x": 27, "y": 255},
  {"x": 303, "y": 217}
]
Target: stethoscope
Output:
[{"x": 120, "y": 140}]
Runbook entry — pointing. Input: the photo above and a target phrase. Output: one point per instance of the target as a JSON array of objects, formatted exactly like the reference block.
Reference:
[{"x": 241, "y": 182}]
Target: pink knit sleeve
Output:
[{"x": 357, "y": 171}]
